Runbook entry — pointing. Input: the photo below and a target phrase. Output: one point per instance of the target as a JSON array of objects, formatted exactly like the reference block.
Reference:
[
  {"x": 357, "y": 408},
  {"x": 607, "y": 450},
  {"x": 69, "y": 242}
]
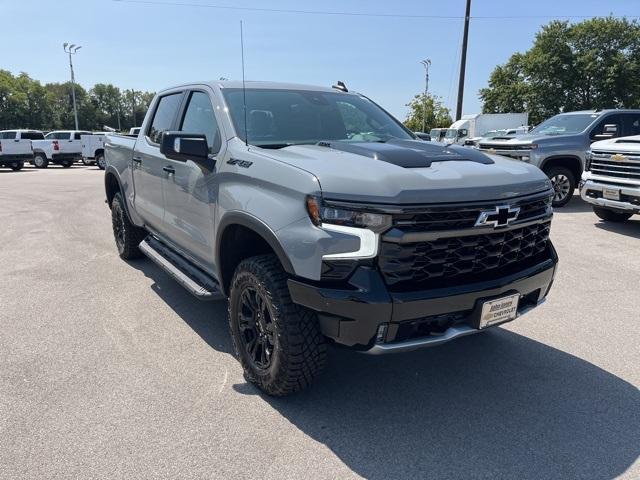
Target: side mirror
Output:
[
  {"x": 463, "y": 132},
  {"x": 183, "y": 146}
]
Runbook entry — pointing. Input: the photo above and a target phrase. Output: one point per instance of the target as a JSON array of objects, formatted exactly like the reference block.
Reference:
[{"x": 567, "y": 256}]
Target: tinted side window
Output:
[
  {"x": 7, "y": 135},
  {"x": 58, "y": 136},
  {"x": 32, "y": 136},
  {"x": 200, "y": 118},
  {"x": 631, "y": 124},
  {"x": 164, "y": 115},
  {"x": 609, "y": 120}
]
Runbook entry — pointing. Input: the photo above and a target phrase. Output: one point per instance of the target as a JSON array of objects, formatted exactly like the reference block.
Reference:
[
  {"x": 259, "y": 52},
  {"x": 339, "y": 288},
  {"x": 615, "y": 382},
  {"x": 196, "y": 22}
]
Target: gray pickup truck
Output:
[
  {"x": 559, "y": 144},
  {"x": 324, "y": 220}
]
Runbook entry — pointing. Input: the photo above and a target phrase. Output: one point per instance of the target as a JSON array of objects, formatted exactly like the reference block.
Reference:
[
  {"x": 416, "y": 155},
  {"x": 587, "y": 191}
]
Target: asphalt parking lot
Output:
[{"x": 110, "y": 369}]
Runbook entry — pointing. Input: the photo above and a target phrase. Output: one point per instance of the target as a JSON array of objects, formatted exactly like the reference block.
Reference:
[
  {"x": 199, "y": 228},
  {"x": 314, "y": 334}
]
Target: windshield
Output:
[
  {"x": 565, "y": 124},
  {"x": 451, "y": 133},
  {"x": 279, "y": 118}
]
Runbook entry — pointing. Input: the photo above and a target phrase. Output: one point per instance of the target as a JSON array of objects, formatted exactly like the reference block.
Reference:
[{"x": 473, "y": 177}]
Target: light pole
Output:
[
  {"x": 426, "y": 64},
  {"x": 72, "y": 50}
]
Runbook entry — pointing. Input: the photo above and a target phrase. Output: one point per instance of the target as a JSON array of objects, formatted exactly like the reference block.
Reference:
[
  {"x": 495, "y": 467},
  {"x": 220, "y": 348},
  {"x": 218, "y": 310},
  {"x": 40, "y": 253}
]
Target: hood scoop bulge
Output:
[{"x": 409, "y": 153}]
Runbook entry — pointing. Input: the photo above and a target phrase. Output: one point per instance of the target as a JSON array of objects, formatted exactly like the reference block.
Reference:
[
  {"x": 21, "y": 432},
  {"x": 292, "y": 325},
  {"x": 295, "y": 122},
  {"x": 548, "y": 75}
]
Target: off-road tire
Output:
[
  {"x": 565, "y": 176},
  {"x": 44, "y": 163},
  {"x": 610, "y": 215},
  {"x": 100, "y": 161},
  {"x": 86, "y": 162},
  {"x": 127, "y": 235},
  {"x": 299, "y": 352},
  {"x": 18, "y": 166}
]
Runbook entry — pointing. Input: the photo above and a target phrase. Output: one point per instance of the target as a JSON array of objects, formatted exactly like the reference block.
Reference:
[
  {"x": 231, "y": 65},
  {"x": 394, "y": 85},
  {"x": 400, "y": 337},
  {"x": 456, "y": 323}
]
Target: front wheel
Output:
[
  {"x": 564, "y": 183},
  {"x": 40, "y": 161},
  {"x": 610, "y": 215},
  {"x": 100, "y": 161},
  {"x": 17, "y": 166},
  {"x": 278, "y": 343}
]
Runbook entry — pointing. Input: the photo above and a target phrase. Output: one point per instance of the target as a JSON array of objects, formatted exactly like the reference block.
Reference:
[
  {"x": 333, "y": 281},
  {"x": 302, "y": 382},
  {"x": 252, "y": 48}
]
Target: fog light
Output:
[
  {"x": 382, "y": 332},
  {"x": 524, "y": 158}
]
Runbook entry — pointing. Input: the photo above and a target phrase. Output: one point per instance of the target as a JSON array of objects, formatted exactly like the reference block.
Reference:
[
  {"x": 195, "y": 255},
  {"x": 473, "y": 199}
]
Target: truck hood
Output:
[
  {"x": 624, "y": 144},
  {"x": 411, "y": 172}
]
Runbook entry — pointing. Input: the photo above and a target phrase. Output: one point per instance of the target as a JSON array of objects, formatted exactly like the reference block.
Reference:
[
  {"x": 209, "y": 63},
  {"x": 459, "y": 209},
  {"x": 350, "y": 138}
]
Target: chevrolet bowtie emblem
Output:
[
  {"x": 618, "y": 157},
  {"x": 501, "y": 216}
]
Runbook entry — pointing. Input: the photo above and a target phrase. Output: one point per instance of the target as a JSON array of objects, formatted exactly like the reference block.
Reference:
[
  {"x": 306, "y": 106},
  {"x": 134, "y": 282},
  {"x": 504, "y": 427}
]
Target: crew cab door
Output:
[
  {"x": 148, "y": 163},
  {"x": 10, "y": 143},
  {"x": 189, "y": 192}
]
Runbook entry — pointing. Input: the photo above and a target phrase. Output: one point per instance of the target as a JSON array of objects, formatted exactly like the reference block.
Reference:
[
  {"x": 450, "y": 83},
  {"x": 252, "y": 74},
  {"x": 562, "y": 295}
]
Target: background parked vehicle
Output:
[
  {"x": 611, "y": 180},
  {"x": 476, "y": 125},
  {"x": 61, "y": 147},
  {"x": 437, "y": 134},
  {"x": 93, "y": 149},
  {"x": 423, "y": 136},
  {"x": 559, "y": 144},
  {"x": 16, "y": 148},
  {"x": 492, "y": 134},
  {"x": 134, "y": 131},
  {"x": 320, "y": 229}
]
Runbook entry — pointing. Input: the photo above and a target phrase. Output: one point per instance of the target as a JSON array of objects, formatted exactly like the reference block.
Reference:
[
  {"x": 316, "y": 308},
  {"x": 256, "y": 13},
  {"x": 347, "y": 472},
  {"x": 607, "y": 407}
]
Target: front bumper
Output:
[
  {"x": 591, "y": 191},
  {"x": 367, "y": 316}
]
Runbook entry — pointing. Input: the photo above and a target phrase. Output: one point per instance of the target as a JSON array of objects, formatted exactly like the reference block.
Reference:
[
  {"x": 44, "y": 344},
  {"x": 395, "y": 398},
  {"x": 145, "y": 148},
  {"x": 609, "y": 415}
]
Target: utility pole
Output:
[
  {"x": 426, "y": 64},
  {"x": 463, "y": 61},
  {"x": 133, "y": 106},
  {"x": 72, "y": 50}
]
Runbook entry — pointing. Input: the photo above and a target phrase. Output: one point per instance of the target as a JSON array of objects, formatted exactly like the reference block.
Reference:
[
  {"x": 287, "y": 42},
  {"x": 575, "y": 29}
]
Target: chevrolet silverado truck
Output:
[
  {"x": 61, "y": 147},
  {"x": 324, "y": 220},
  {"x": 611, "y": 180},
  {"x": 15, "y": 147},
  {"x": 559, "y": 145}
]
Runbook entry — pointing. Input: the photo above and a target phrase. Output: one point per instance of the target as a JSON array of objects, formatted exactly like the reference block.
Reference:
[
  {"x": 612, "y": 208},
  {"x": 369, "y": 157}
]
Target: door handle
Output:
[{"x": 169, "y": 170}]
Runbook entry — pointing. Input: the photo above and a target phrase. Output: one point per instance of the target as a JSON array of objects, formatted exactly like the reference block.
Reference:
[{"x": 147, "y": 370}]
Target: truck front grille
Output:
[
  {"x": 454, "y": 217},
  {"x": 463, "y": 259},
  {"x": 500, "y": 146},
  {"x": 613, "y": 164}
]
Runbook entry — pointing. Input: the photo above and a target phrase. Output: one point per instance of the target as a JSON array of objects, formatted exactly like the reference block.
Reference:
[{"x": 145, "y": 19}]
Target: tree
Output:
[
  {"x": 429, "y": 108},
  {"x": 587, "y": 65}
]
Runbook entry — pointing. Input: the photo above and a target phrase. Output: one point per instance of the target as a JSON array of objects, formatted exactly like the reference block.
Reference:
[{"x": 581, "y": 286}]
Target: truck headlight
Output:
[
  {"x": 587, "y": 160},
  {"x": 320, "y": 214}
]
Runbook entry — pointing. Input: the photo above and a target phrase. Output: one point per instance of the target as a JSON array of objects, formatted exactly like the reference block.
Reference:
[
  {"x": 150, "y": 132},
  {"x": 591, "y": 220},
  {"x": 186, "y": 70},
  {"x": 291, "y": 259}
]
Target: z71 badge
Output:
[{"x": 240, "y": 163}]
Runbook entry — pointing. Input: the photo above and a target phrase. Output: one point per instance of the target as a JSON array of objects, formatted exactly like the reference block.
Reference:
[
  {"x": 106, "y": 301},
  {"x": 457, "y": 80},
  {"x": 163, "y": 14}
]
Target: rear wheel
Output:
[
  {"x": 564, "y": 183},
  {"x": 17, "y": 166},
  {"x": 610, "y": 215},
  {"x": 86, "y": 162},
  {"x": 278, "y": 343},
  {"x": 100, "y": 161},
  {"x": 126, "y": 234},
  {"x": 66, "y": 163},
  {"x": 40, "y": 161}
]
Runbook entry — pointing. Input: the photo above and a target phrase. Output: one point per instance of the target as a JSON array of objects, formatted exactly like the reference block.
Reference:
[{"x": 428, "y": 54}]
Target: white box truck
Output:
[{"x": 477, "y": 124}]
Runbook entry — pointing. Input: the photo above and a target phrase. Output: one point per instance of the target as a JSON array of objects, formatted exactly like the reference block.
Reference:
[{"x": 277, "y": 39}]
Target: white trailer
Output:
[{"x": 476, "y": 125}]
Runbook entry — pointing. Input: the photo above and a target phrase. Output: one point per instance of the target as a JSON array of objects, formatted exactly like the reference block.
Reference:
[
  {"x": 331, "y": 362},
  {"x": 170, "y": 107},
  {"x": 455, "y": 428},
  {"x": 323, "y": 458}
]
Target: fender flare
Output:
[
  {"x": 557, "y": 157},
  {"x": 112, "y": 172},
  {"x": 256, "y": 225}
]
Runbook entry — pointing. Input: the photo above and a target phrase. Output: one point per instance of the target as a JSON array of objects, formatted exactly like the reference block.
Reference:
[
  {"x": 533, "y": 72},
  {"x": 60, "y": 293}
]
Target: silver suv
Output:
[{"x": 558, "y": 145}]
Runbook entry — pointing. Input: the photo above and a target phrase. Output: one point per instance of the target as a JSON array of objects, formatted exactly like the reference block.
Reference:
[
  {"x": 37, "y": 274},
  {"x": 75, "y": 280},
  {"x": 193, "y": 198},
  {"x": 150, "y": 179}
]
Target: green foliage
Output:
[
  {"x": 591, "y": 64},
  {"x": 25, "y": 103},
  {"x": 429, "y": 108}
]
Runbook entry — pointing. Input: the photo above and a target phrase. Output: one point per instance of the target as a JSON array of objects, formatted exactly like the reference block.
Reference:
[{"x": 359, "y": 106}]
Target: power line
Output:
[{"x": 361, "y": 14}]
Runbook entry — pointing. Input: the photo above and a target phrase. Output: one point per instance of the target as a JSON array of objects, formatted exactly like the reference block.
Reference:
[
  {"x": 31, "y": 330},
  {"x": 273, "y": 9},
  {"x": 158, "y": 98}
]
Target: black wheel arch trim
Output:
[
  {"x": 562, "y": 157},
  {"x": 252, "y": 223},
  {"x": 111, "y": 171}
]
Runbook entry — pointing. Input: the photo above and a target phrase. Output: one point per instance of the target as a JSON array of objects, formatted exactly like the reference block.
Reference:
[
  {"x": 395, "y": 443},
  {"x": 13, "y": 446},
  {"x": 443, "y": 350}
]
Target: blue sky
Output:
[{"x": 152, "y": 46}]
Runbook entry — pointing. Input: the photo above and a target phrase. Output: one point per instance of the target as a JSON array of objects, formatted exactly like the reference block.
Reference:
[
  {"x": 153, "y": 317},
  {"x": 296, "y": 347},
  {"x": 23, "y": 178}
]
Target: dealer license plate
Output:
[
  {"x": 611, "y": 193},
  {"x": 499, "y": 310}
]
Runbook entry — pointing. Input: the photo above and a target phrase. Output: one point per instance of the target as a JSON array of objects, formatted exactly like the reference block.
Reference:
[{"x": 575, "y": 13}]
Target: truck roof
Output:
[
  {"x": 599, "y": 112},
  {"x": 253, "y": 84}
]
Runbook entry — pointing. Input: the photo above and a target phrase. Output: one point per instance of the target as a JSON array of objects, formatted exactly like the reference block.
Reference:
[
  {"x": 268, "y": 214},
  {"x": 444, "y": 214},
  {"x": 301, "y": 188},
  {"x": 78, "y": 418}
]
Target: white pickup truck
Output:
[
  {"x": 61, "y": 147},
  {"x": 611, "y": 180},
  {"x": 93, "y": 149},
  {"x": 15, "y": 147}
]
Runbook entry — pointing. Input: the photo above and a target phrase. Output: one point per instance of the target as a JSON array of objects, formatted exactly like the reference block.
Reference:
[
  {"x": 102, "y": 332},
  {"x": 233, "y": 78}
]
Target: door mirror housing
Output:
[{"x": 183, "y": 146}]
